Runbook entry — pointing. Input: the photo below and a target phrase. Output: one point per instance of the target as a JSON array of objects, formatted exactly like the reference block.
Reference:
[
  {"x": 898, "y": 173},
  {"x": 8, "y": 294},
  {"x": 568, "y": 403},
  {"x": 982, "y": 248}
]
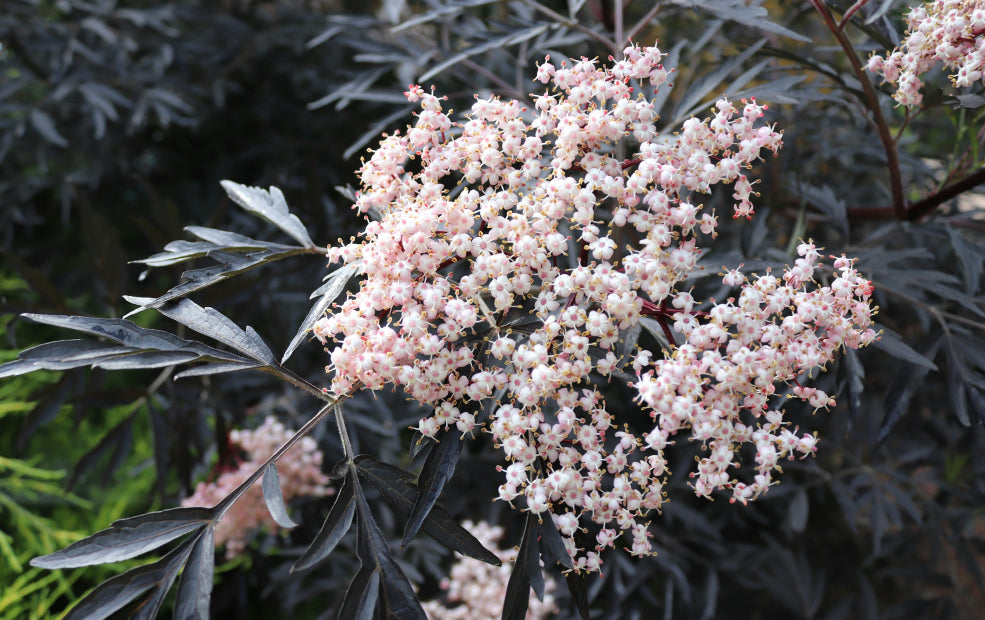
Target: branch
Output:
[
  {"x": 568, "y": 23},
  {"x": 919, "y": 209},
  {"x": 922, "y": 208},
  {"x": 872, "y": 102}
]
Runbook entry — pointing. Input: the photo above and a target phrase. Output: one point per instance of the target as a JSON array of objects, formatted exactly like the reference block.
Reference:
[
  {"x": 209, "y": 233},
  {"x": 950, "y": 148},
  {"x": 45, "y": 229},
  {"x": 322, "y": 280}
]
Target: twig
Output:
[
  {"x": 642, "y": 23},
  {"x": 564, "y": 21}
]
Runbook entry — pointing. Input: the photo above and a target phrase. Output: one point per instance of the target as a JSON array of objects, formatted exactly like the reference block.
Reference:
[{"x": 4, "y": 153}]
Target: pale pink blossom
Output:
[
  {"x": 476, "y": 591},
  {"x": 942, "y": 31},
  {"x": 300, "y": 476}
]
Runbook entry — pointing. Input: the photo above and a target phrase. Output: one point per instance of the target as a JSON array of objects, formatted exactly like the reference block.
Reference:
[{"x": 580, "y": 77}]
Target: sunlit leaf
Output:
[
  {"x": 271, "y": 206},
  {"x": 212, "y": 323}
]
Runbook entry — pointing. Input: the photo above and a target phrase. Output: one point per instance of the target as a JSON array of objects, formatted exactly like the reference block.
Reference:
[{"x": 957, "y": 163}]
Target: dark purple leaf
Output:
[
  {"x": 517, "y": 599},
  {"x": 337, "y": 523},
  {"x": 438, "y": 470},
  {"x": 195, "y": 587},
  {"x": 969, "y": 100},
  {"x": 956, "y": 390},
  {"x": 230, "y": 264},
  {"x": 551, "y": 543},
  {"x": 752, "y": 16},
  {"x": 213, "y": 239},
  {"x": 274, "y": 497},
  {"x": 149, "y": 607},
  {"x": 905, "y": 384},
  {"x": 118, "y": 592},
  {"x": 395, "y": 485},
  {"x": 399, "y": 598},
  {"x": 126, "y": 333},
  {"x": 127, "y": 538},
  {"x": 419, "y": 443},
  {"x": 798, "y": 511},
  {"x": 147, "y": 359},
  {"x": 45, "y": 125},
  {"x": 329, "y": 292},
  {"x": 970, "y": 258},
  {"x": 212, "y": 369},
  {"x": 361, "y": 595},
  {"x": 579, "y": 593}
]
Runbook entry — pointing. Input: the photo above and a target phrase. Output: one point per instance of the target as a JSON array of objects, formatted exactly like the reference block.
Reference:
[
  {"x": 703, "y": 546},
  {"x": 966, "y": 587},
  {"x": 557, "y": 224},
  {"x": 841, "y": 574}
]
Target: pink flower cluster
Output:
[
  {"x": 516, "y": 247},
  {"x": 300, "y": 476},
  {"x": 946, "y": 31},
  {"x": 476, "y": 590}
]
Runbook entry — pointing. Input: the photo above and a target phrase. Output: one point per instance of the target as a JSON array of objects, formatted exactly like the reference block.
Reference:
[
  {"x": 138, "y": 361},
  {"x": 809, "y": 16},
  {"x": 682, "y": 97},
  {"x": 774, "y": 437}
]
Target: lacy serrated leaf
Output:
[
  {"x": 212, "y": 323},
  {"x": 129, "y": 334},
  {"x": 336, "y": 524},
  {"x": 211, "y": 240},
  {"x": 438, "y": 470},
  {"x": 230, "y": 264},
  {"x": 127, "y": 538},
  {"x": 398, "y": 490},
  {"x": 511, "y": 38},
  {"x": 742, "y": 13},
  {"x": 893, "y": 344},
  {"x": 329, "y": 292},
  {"x": 273, "y": 496},
  {"x": 195, "y": 587},
  {"x": 271, "y": 206}
]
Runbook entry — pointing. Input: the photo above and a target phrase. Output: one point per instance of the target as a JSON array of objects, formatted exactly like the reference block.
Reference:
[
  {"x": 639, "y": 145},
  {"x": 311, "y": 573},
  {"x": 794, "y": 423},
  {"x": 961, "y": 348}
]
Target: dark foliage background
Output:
[{"x": 118, "y": 119}]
